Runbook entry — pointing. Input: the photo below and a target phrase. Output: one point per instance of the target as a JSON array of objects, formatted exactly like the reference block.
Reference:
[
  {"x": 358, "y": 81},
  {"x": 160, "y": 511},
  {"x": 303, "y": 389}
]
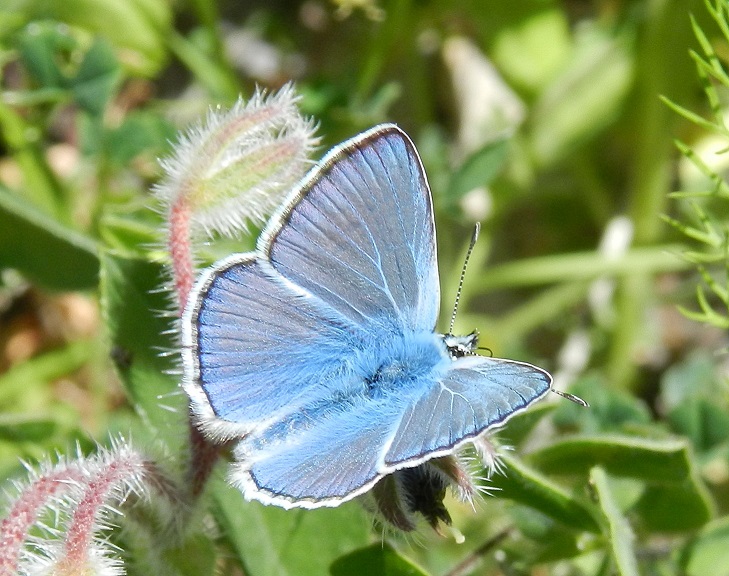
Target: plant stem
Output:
[
  {"x": 203, "y": 454},
  {"x": 663, "y": 48},
  {"x": 582, "y": 266}
]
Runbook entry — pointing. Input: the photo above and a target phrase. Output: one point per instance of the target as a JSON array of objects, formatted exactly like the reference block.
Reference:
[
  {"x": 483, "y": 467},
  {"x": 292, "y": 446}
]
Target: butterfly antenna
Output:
[
  {"x": 474, "y": 237},
  {"x": 571, "y": 397}
]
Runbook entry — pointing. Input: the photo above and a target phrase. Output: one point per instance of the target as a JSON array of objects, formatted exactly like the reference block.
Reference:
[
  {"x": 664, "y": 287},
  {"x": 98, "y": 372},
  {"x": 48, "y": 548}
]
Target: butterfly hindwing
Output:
[
  {"x": 324, "y": 464},
  {"x": 475, "y": 395},
  {"x": 351, "y": 447}
]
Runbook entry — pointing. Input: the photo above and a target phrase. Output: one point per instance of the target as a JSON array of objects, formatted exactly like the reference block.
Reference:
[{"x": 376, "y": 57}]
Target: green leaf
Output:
[
  {"x": 41, "y": 46},
  {"x": 700, "y": 121},
  {"x": 97, "y": 78},
  {"x": 479, "y": 169},
  {"x": 584, "y": 98},
  {"x": 42, "y": 369},
  {"x": 702, "y": 421},
  {"x": 43, "y": 249},
  {"x": 708, "y": 553},
  {"x": 619, "y": 531},
  {"x": 675, "y": 499},
  {"x": 196, "y": 556},
  {"x": 550, "y": 540},
  {"x": 137, "y": 28},
  {"x": 675, "y": 508},
  {"x": 535, "y": 47},
  {"x": 26, "y": 428},
  {"x": 522, "y": 424},
  {"x": 133, "y": 305},
  {"x": 657, "y": 461},
  {"x": 141, "y": 133},
  {"x": 380, "y": 559},
  {"x": 271, "y": 541},
  {"x": 527, "y": 486},
  {"x": 581, "y": 266},
  {"x": 694, "y": 377},
  {"x": 130, "y": 232}
]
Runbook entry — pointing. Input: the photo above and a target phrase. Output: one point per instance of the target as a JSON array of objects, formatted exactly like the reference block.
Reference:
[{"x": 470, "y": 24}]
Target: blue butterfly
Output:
[{"x": 317, "y": 353}]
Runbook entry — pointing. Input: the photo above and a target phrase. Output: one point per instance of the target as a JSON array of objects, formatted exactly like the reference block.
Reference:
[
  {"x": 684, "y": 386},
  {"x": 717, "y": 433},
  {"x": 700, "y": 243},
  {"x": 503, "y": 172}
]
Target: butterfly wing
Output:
[
  {"x": 322, "y": 465},
  {"x": 475, "y": 395},
  {"x": 255, "y": 346},
  {"x": 352, "y": 447},
  {"x": 360, "y": 234}
]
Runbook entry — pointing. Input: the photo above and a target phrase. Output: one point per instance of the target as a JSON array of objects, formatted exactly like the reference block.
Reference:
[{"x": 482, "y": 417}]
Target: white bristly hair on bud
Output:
[{"x": 237, "y": 166}]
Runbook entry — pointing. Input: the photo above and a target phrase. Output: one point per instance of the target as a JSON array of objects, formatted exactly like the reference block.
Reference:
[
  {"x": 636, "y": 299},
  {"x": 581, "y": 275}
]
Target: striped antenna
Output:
[{"x": 474, "y": 237}]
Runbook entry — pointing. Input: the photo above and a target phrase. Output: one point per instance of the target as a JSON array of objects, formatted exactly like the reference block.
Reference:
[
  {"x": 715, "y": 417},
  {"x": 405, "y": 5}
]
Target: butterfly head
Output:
[{"x": 460, "y": 346}]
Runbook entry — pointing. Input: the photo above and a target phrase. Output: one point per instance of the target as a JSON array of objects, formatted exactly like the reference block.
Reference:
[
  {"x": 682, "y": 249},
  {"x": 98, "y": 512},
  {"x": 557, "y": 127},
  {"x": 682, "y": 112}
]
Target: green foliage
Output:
[
  {"x": 375, "y": 559},
  {"x": 93, "y": 91},
  {"x": 44, "y": 249},
  {"x": 707, "y": 226}
]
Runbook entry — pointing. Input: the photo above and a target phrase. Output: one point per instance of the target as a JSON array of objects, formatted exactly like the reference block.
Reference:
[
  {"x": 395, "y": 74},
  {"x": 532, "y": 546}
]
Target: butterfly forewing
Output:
[
  {"x": 248, "y": 327},
  {"x": 360, "y": 234}
]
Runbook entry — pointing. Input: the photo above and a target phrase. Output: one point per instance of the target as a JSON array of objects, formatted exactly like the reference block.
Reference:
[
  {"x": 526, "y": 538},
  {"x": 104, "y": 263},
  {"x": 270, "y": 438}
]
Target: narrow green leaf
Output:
[
  {"x": 721, "y": 188},
  {"x": 693, "y": 117},
  {"x": 703, "y": 41},
  {"x": 718, "y": 12},
  {"x": 138, "y": 28},
  {"x": 217, "y": 79},
  {"x": 479, "y": 169},
  {"x": 620, "y": 533},
  {"x": 582, "y": 266},
  {"x": 584, "y": 98},
  {"x": 42, "y": 369},
  {"x": 657, "y": 461},
  {"x": 527, "y": 486},
  {"x": 44, "y": 250},
  {"x": 26, "y": 428},
  {"x": 380, "y": 559},
  {"x": 713, "y": 319},
  {"x": 41, "y": 186},
  {"x": 709, "y": 75}
]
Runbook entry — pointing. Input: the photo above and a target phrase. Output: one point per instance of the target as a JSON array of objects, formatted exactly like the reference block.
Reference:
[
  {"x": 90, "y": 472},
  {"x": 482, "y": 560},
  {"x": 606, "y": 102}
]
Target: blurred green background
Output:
[{"x": 554, "y": 124}]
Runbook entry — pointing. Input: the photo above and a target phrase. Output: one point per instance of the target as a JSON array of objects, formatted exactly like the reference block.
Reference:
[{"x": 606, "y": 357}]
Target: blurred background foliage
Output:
[{"x": 541, "y": 119}]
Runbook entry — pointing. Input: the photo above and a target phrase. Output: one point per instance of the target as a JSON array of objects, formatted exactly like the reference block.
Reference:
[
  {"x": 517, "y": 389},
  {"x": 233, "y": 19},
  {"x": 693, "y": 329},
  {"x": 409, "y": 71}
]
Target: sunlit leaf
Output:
[
  {"x": 527, "y": 486},
  {"x": 271, "y": 541},
  {"x": 375, "y": 559}
]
